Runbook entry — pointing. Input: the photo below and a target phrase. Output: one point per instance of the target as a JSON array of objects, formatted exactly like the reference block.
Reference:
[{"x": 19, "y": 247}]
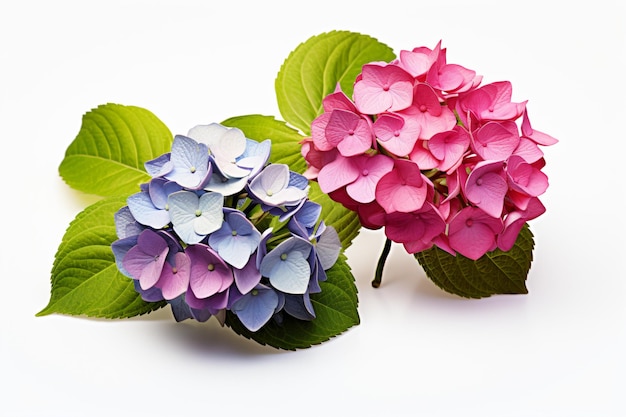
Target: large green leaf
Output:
[
  {"x": 286, "y": 150},
  {"x": 107, "y": 156},
  {"x": 85, "y": 279},
  {"x": 314, "y": 68},
  {"x": 496, "y": 272},
  {"x": 335, "y": 308}
]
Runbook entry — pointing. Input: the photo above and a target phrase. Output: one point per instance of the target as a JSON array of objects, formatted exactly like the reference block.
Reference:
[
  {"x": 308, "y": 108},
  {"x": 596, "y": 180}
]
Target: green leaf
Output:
[
  {"x": 335, "y": 308},
  {"x": 107, "y": 156},
  {"x": 85, "y": 279},
  {"x": 286, "y": 150},
  {"x": 314, "y": 68},
  {"x": 497, "y": 272}
]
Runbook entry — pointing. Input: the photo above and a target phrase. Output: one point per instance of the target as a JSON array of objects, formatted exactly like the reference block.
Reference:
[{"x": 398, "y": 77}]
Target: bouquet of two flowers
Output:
[{"x": 246, "y": 220}]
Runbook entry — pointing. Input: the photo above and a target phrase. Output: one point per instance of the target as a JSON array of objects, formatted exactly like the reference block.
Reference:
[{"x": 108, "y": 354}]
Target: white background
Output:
[{"x": 558, "y": 351}]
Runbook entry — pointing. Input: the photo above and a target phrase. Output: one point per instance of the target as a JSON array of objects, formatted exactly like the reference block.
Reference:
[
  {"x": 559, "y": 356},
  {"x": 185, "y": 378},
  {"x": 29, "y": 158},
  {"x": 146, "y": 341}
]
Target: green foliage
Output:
[
  {"x": 85, "y": 279},
  {"x": 316, "y": 66},
  {"x": 335, "y": 308},
  {"x": 496, "y": 272},
  {"x": 107, "y": 156}
]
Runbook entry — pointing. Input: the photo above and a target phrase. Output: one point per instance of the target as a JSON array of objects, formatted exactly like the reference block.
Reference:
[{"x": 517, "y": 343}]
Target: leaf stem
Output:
[{"x": 381, "y": 264}]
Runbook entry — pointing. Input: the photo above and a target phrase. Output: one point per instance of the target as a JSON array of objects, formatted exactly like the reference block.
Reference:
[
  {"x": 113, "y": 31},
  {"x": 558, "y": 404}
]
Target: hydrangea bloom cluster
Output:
[
  {"x": 217, "y": 228},
  {"x": 425, "y": 151}
]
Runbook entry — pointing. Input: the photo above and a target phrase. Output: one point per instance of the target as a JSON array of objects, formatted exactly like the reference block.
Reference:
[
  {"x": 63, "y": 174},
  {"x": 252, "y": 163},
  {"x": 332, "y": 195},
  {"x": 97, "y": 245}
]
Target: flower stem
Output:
[{"x": 381, "y": 264}]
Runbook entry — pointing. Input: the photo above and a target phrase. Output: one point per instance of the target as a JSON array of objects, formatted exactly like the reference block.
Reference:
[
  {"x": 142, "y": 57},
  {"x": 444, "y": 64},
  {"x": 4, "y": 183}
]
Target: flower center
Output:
[
  {"x": 192, "y": 169},
  {"x": 210, "y": 267},
  {"x": 365, "y": 172},
  {"x": 385, "y": 87},
  {"x": 269, "y": 193},
  {"x": 198, "y": 213},
  {"x": 479, "y": 181},
  {"x": 254, "y": 292},
  {"x": 234, "y": 233},
  {"x": 283, "y": 257},
  {"x": 423, "y": 108},
  {"x": 174, "y": 270},
  {"x": 469, "y": 222}
]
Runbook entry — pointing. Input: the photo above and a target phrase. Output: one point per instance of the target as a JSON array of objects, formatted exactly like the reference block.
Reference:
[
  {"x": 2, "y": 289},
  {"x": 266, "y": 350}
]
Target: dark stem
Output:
[{"x": 381, "y": 264}]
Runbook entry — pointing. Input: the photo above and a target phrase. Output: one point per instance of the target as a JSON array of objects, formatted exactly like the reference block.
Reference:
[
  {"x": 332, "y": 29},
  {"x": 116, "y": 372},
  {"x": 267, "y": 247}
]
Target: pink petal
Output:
[
  {"x": 496, "y": 140},
  {"x": 472, "y": 232},
  {"x": 486, "y": 187},
  {"x": 318, "y": 132},
  {"x": 528, "y": 150},
  {"x": 535, "y": 135},
  {"x": 174, "y": 279},
  {"x": 449, "y": 147},
  {"x": 396, "y": 134},
  {"x": 349, "y": 132},
  {"x": 383, "y": 88},
  {"x": 525, "y": 178},
  {"x": 371, "y": 170},
  {"x": 338, "y": 100},
  {"x": 337, "y": 173},
  {"x": 422, "y": 156},
  {"x": 403, "y": 189}
]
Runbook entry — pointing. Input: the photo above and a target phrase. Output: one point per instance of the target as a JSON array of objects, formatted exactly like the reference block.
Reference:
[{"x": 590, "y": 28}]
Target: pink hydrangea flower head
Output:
[
  {"x": 472, "y": 232},
  {"x": 487, "y": 186},
  {"x": 383, "y": 87},
  {"x": 402, "y": 189},
  {"x": 396, "y": 134}
]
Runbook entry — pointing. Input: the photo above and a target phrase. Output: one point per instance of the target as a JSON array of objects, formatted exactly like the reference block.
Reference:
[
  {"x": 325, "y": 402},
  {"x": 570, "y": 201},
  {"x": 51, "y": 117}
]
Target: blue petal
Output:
[
  {"x": 299, "y": 306},
  {"x": 190, "y": 161},
  {"x": 256, "y": 308},
  {"x": 159, "y": 166},
  {"x": 125, "y": 223},
  {"x": 182, "y": 209},
  {"x": 328, "y": 247},
  {"x": 290, "y": 274},
  {"x": 145, "y": 212}
]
